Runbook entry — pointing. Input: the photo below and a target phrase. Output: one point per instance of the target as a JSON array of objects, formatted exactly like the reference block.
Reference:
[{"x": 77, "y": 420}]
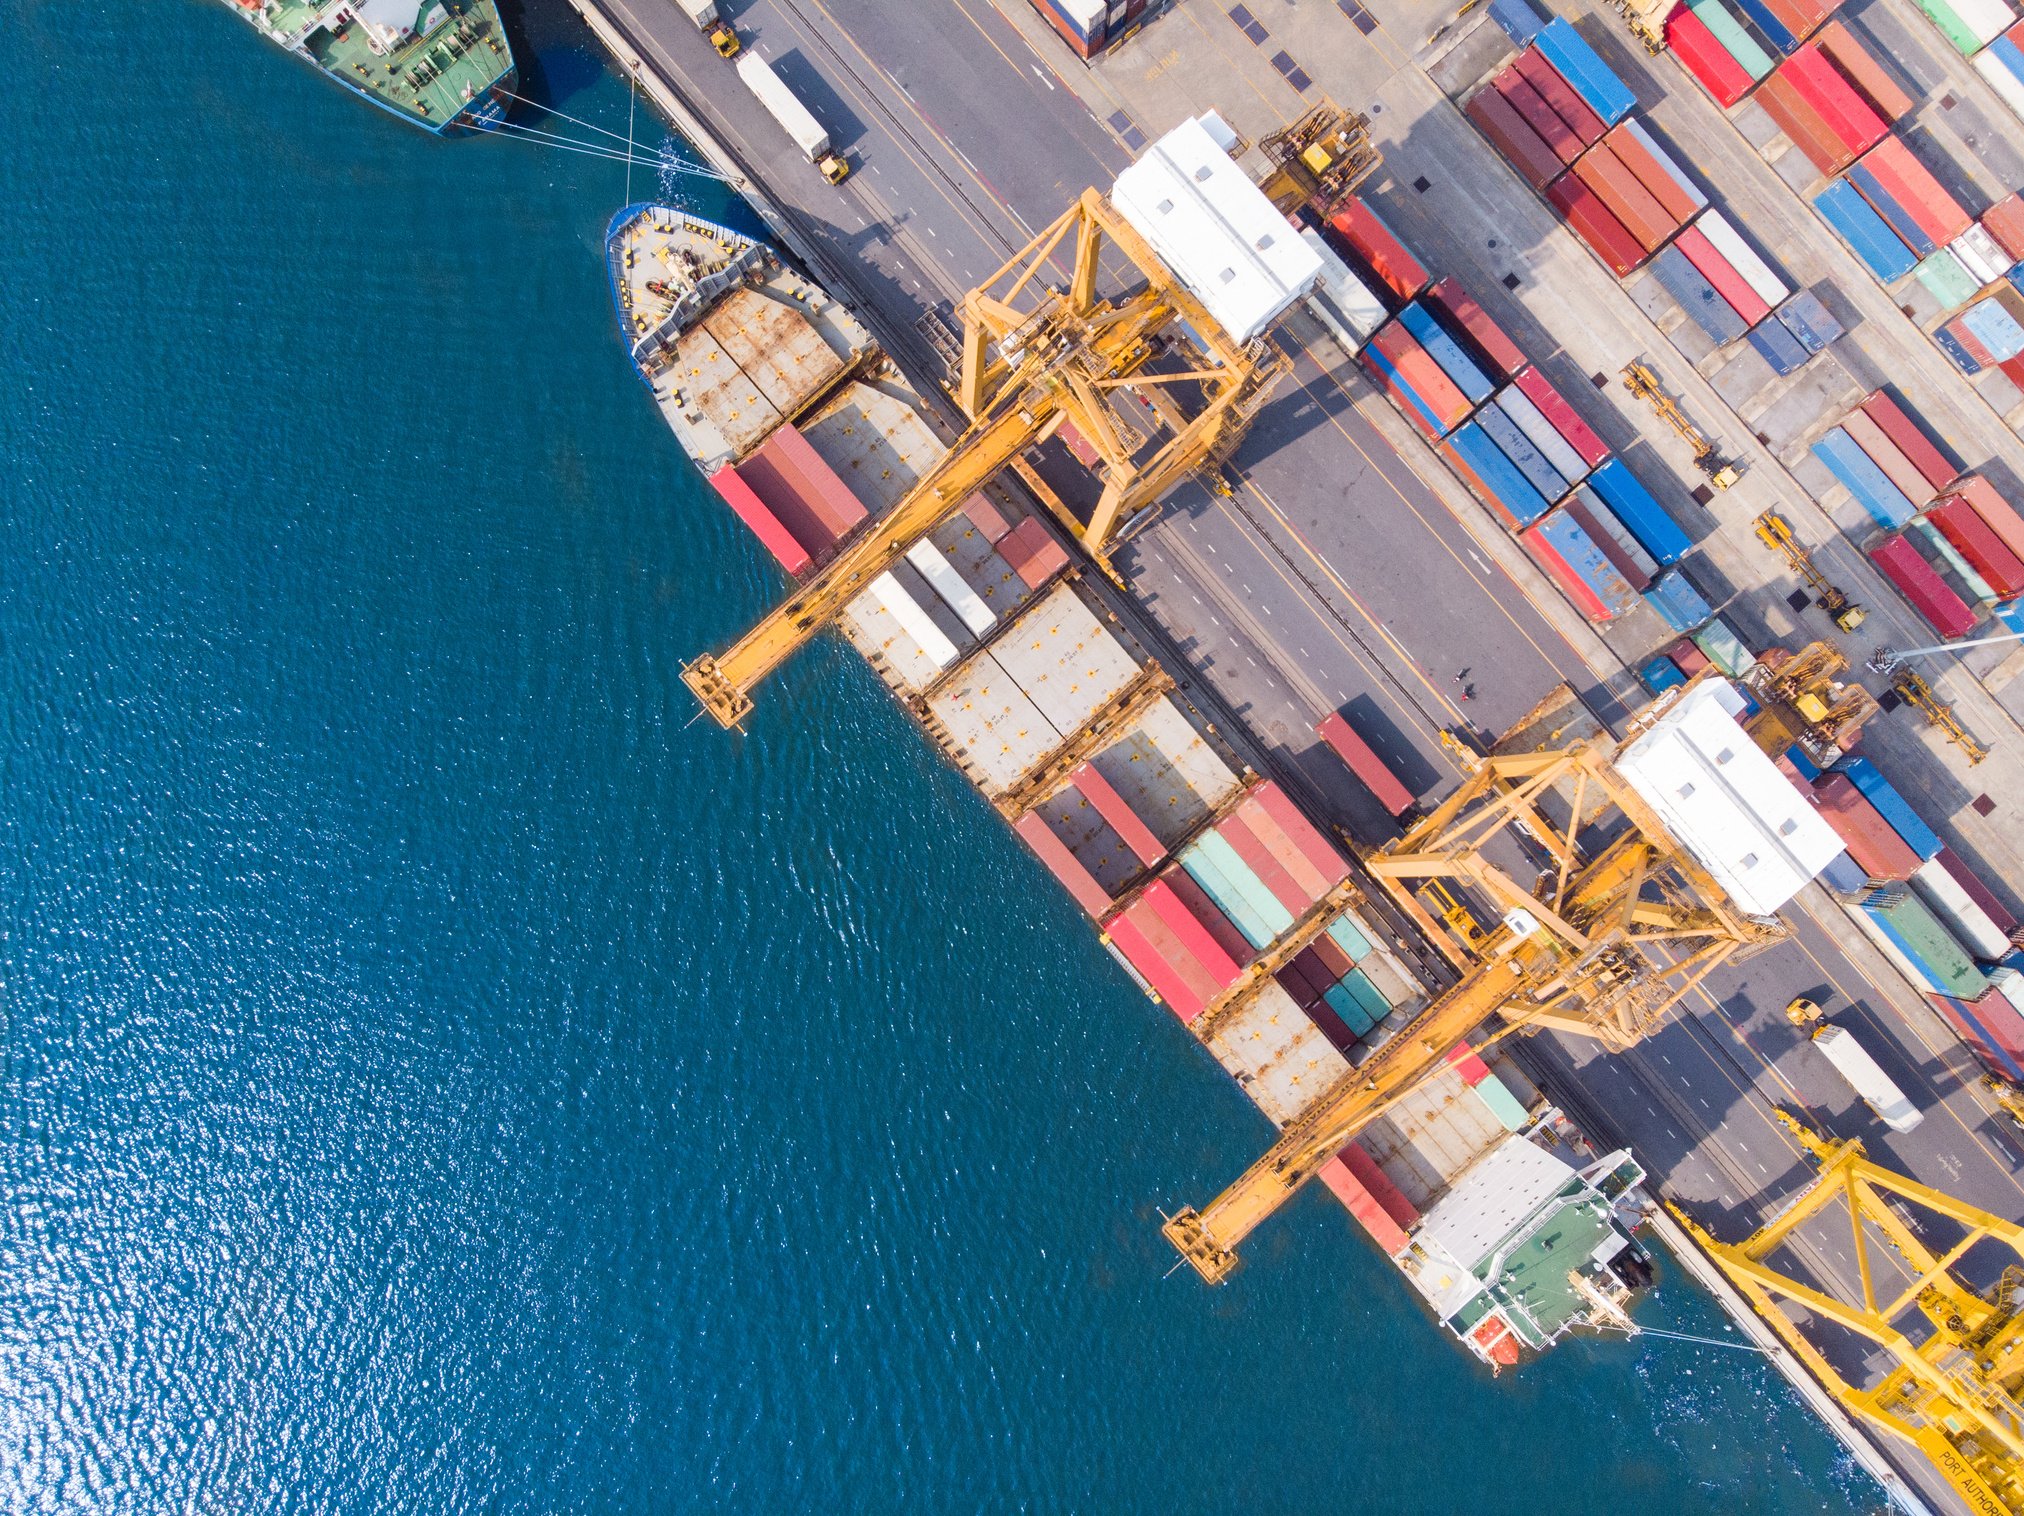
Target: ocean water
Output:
[{"x": 439, "y": 1076}]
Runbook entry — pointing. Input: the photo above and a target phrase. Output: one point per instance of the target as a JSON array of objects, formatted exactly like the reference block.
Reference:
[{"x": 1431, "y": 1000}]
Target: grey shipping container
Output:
[
  {"x": 1778, "y": 347},
  {"x": 1810, "y": 321},
  {"x": 1513, "y": 444},
  {"x": 1703, "y": 304},
  {"x": 1540, "y": 432}
]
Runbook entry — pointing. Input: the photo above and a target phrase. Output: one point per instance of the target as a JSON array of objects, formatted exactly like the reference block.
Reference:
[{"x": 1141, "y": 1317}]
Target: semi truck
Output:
[
  {"x": 712, "y": 25},
  {"x": 1852, "y": 1061},
  {"x": 784, "y": 106}
]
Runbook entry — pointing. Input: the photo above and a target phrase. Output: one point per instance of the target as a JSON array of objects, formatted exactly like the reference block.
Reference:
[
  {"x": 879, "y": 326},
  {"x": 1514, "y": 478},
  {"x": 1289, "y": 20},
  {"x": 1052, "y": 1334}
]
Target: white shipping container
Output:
[
  {"x": 783, "y": 105},
  {"x": 1981, "y": 255},
  {"x": 945, "y": 581},
  {"x": 1852, "y": 1061},
  {"x": 1666, "y": 161},
  {"x": 2010, "y": 985},
  {"x": 1730, "y": 244},
  {"x": 1086, "y": 16},
  {"x": 1345, "y": 303},
  {"x": 1540, "y": 432},
  {"x": 702, "y": 12},
  {"x": 914, "y": 621},
  {"x": 1990, "y": 66},
  {"x": 1958, "y": 912},
  {"x": 1987, "y": 19}
]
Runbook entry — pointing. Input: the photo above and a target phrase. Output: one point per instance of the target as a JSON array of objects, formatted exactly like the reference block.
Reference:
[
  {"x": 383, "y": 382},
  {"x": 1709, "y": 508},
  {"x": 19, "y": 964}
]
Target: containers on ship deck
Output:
[
  {"x": 1922, "y": 942},
  {"x": 1892, "y": 806}
]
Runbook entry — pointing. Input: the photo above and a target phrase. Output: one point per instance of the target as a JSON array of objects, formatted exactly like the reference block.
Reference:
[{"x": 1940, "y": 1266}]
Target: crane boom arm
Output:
[{"x": 1209, "y": 1238}]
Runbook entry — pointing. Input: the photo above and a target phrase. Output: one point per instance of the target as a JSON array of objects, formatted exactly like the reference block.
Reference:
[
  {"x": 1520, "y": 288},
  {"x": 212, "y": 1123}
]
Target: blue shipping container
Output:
[
  {"x": 1867, "y": 234},
  {"x": 1703, "y": 304},
  {"x": 1892, "y": 806},
  {"x": 1678, "y": 602},
  {"x": 1885, "y": 204},
  {"x": 1810, "y": 321},
  {"x": 1844, "y": 875},
  {"x": 1949, "y": 344},
  {"x": 1778, "y": 347},
  {"x": 1800, "y": 759},
  {"x": 1587, "y": 562},
  {"x": 1400, "y": 389},
  {"x": 1513, "y": 492},
  {"x": 1610, "y": 534},
  {"x": 1995, "y": 328},
  {"x": 1582, "y": 67},
  {"x": 1642, "y": 516},
  {"x": 1768, "y": 26},
  {"x": 1520, "y": 21},
  {"x": 1516, "y": 446},
  {"x": 1661, "y": 674},
  {"x": 1447, "y": 352},
  {"x": 1857, "y": 471}
]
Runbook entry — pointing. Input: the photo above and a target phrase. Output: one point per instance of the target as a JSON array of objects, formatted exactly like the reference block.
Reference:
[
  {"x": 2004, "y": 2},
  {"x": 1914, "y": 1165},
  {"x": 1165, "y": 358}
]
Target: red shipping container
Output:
[
  {"x": 1221, "y": 929},
  {"x": 986, "y": 518},
  {"x": 1314, "y": 847},
  {"x": 1031, "y": 553},
  {"x": 766, "y": 526},
  {"x": 1257, "y": 857},
  {"x": 1607, "y": 539},
  {"x": 1467, "y": 1062},
  {"x": 1542, "y": 118},
  {"x": 1915, "y": 579},
  {"x": 1853, "y": 120},
  {"x": 1369, "y": 769},
  {"x": 1876, "y": 848},
  {"x": 1962, "y": 525},
  {"x": 1428, "y": 379},
  {"x": 1802, "y": 16},
  {"x": 2012, "y": 368},
  {"x": 1081, "y": 885},
  {"x": 1649, "y": 172},
  {"x": 1572, "y": 585},
  {"x": 1372, "y": 240},
  {"x": 1192, "y": 932},
  {"x": 1104, "y": 799},
  {"x": 1865, "y": 73},
  {"x": 1505, "y": 358},
  {"x": 1522, "y": 148},
  {"x": 1592, "y": 221},
  {"x": 1971, "y": 884},
  {"x": 1629, "y": 201},
  {"x": 1310, "y": 883},
  {"x": 1911, "y": 184},
  {"x": 1374, "y": 1179},
  {"x": 2001, "y": 1020},
  {"x": 1334, "y": 961},
  {"x": 1559, "y": 94},
  {"x": 1564, "y": 419},
  {"x": 1360, "y": 1203},
  {"x": 1687, "y": 657},
  {"x": 1721, "y": 273},
  {"x": 1863, "y": 431},
  {"x": 2002, "y": 517},
  {"x": 2005, "y": 222},
  {"x": 1803, "y": 124},
  {"x": 786, "y": 467},
  {"x": 1903, "y": 428},
  {"x": 1705, "y": 58},
  {"x": 1152, "y": 949}
]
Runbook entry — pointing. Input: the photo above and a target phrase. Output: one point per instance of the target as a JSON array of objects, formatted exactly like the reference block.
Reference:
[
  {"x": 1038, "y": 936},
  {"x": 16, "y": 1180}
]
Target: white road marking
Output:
[{"x": 1037, "y": 69}]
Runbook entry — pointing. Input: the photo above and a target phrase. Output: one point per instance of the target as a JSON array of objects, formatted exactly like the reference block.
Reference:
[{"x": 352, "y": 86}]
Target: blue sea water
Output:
[{"x": 441, "y": 1076}]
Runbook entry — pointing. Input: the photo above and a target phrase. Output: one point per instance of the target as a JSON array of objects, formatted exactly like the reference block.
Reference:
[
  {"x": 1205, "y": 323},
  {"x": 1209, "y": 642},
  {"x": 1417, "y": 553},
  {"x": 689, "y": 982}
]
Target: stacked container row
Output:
[{"x": 1089, "y": 26}]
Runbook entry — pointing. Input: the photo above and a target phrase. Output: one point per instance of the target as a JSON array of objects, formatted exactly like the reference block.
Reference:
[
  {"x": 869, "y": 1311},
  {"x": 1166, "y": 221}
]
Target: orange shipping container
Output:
[
  {"x": 1629, "y": 201},
  {"x": 1862, "y": 69}
]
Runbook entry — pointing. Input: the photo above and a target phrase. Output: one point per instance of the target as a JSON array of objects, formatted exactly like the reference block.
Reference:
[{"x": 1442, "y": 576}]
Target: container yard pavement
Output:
[{"x": 1347, "y": 568}]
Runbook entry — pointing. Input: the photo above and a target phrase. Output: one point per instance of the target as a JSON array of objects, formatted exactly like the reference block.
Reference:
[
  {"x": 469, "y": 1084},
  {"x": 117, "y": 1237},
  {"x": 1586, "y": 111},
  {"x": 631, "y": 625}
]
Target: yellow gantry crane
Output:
[
  {"x": 1619, "y": 925},
  {"x": 1035, "y": 357},
  {"x": 1956, "y": 1352}
]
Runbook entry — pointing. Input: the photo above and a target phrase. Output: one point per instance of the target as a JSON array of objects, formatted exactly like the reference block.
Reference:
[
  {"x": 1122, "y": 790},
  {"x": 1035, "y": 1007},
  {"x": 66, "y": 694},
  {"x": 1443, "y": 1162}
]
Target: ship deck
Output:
[{"x": 465, "y": 46}]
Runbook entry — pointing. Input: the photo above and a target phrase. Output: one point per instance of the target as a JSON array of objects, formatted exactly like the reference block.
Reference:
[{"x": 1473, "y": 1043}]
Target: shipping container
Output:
[
  {"x": 1800, "y": 120},
  {"x": 1700, "y": 300},
  {"x": 1842, "y": 874},
  {"x": 1677, "y": 601},
  {"x": 1868, "y": 74},
  {"x": 1866, "y": 1078},
  {"x": 1909, "y": 436},
  {"x": 1971, "y": 926},
  {"x": 1997, "y": 332},
  {"x": 2003, "y": 67},
  {"x": 1560, "y": 95},
  {"x": 1807, "y": 319},
  {"x": 1921, "y": 937},
  {"x": 1871, "y": 840},
  {"x": 1688, "y": 655},
  {"x": 771, "y": 531},
  {"x": 1335, "y": 1174},
  {"x": 784, "y": 106},
  {"x": 1724, "y": 648},
  {"x": 1378, "y": 247},
  {"x": 1545, "y": 122},
  {"x": 1417, "y": 410},
  {"x": 1494, "y": 478},
  {"x": 1446, "y": 352},
  {"x": 1767, "y": 24},
  {"x": 1344, "y": 303},
  {"x": 1970, "y": 25},
  {"x": 1371, "y": 771},
  {"x": 1912, "y": 186},
  {"x": 1261, "y": 854},
  {"x": 1776, "y": 345},
  {"x": 1733, "y": 32},
  {"x": 1914, "y": 578},
  {"x": 1616, "y": 540},
  {"x": 1319, "y": 853},
  {"x": 1719, "y": 272},
  {"x": 1437, "y": 396},
  {"x": 1855, "y": 123},
  {"x": 1592, "y": 221},
  {"x": 1803, "y": 17},
  {"x": 1657, "y": 169},
  {"x": 1500, "y": 356},
  {"x": 1703, "y": 56},
  {"x": 1661, "y": 674},
  {"x": 1898, "y": 217},
  {"x": 1972, "y": 1028},
  {"x": 1032, "y": 553},
  {"x": 1999, "y": 914},
  {"x": 1151, "y": 949},
  {"x": 1888, "y": 456},
  {"x": 1997, "y": 513},
  {"x": 1582, "y": 67},
  {"x": 1640, "y": 512},
  {"x": 1981, "y": 255},
  {"x": 1203, "y": 915},
  {"x": 1522, "y": 147},
  {"x": 1071, "y": 21},
  {"x": 1521, "y": 23},
  {"x": 1960, "y": 575},
  {"x": 2005, "y": 222},
  {"x": 1104, "y": 799},
  {"x": 1859, "y": 475},
  {"x": 1531, "y": 421},
  {"x": 1628, "y": 200},
  {"x": 1867, "y": 234},
  {"x": 1730, "y": 243},
  {"x": 1516, "y": 446},
  {"x": 1577, "y": 564},
  {"x": 1537, "y": 388},
  {"x": 1080, "y": 883}
]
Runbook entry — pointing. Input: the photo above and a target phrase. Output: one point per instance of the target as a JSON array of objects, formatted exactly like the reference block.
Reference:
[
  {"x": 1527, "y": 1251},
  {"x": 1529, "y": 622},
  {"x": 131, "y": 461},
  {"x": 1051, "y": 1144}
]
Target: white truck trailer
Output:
[
  {"x": 785, "y": 107},
  {"x": 712, "y": 25},
  {"x": 1852, "y": 1061}
]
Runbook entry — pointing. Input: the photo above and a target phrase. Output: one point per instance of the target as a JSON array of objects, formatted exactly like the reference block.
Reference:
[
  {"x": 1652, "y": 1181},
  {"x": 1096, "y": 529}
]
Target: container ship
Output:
[
  {"x": 1494, "y": 1207},
  {"x": 446, "y": 69}
]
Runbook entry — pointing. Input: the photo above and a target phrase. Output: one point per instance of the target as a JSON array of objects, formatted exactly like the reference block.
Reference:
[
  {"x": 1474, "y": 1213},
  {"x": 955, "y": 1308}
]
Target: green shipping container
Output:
[
  {"x": 1724, "y": 648},
  {"x": 1947, "y": 280},
  {"x": 1367, "y": 995},
  {"x": 1229, "y": 899},
  {"x": 1348, "y": 936},
  {"x": 1955, "y": 29},
  {"x": 1934, "y": 947},
  {"x": 1234, "y": 869},
  {"x": 1736, "y": 42},
  {"x": 1979, "y": 587},
  {"x": 1350, "y": 1009},
  {"x": 1503, "y": 1104}
]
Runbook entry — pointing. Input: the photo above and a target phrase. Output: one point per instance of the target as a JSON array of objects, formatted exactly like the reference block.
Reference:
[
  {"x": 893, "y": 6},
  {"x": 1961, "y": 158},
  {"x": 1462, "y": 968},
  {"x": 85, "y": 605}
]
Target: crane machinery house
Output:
[{"x": 1215, "y": 229}]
